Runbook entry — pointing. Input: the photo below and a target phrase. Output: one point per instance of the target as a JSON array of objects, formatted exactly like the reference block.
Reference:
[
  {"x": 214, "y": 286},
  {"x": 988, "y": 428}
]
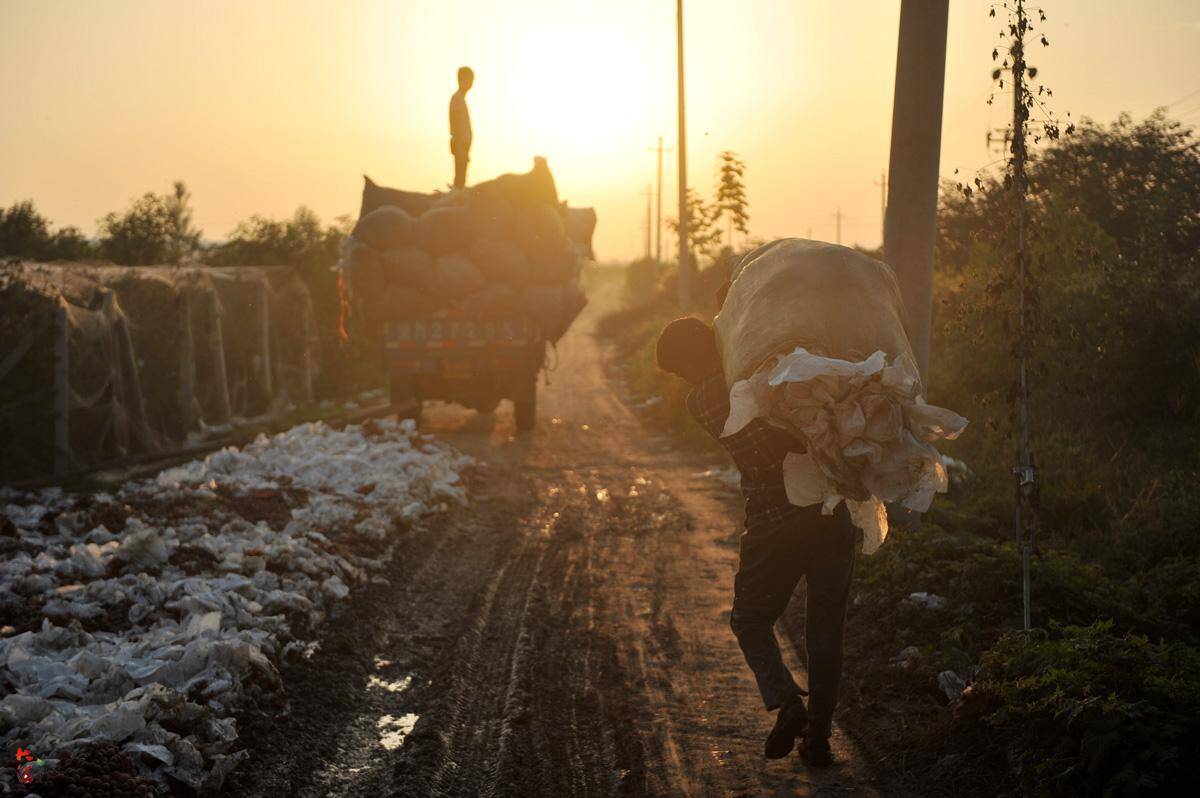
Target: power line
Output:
[{"x": 1187, "y": 96}]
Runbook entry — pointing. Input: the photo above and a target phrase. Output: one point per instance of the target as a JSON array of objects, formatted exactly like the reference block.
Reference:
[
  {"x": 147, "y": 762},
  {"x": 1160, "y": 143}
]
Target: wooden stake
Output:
[
  {"x": 187, "y": 365},
  {"x": 62, "y": 388},
  {"x": 216, "y": 347},
  {"x": 264, "y": 350}
]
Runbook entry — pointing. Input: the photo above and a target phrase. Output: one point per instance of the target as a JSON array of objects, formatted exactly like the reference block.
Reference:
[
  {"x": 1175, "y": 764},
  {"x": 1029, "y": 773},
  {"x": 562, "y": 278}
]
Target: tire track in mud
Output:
[{"x": 539, "y": 704}]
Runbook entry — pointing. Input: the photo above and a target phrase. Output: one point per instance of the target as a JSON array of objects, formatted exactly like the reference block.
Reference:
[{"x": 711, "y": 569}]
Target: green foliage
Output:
[
  {"x": 1117, "y": 339},
  {"x": 156, "y": 229},
  {"x": 25, "y": 233},
  {"x": 1093, "y": 712},
  {"x": 731, "y": 193},
  {"x": 312, "y": 248},
  {"x": 1088, "y": 708},
  {"x": 704, "y": 231}
]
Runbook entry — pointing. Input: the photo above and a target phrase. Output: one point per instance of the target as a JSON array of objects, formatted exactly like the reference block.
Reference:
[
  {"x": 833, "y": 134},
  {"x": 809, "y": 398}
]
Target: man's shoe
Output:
[
  {"x": 815, "y": 751},
  {"x": 790, "y": 723}
]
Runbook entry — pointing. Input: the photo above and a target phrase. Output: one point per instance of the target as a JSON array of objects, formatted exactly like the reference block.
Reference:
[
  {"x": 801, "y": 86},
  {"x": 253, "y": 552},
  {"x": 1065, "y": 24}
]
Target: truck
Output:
[
  {"x": 463, "y": 292},
  {"x": 474, "y": 360}
]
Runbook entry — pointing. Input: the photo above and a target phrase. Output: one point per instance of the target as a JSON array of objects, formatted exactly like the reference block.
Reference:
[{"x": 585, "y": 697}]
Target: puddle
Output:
[{"x": 393, "y": 730}]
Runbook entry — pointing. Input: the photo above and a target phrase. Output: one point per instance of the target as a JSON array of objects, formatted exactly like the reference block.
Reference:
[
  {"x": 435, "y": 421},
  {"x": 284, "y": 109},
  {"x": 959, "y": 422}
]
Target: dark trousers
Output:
[
  {"x": 822, "y": 549},
  {"x": 460, "y": 151}
]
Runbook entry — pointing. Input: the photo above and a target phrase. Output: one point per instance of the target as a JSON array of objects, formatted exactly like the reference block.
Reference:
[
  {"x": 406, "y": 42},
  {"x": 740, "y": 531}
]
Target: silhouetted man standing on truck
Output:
[
  {"x": 460, "y": 126},
  {"x": 782, "y": 542}
]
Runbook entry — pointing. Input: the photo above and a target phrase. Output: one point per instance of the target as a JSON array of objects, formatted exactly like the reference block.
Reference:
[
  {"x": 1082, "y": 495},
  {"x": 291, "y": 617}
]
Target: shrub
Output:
[{"x": 1092, "y": 712}]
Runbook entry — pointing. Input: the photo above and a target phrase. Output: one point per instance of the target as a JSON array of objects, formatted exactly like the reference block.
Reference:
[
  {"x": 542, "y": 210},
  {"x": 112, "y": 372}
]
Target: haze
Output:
[{"x": 262, "y": 107}]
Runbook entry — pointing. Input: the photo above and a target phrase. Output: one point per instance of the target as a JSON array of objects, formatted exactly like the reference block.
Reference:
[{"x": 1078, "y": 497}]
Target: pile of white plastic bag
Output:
[
  {"x": 868, "y": 430},
  {"x": 190, "y": 610}
]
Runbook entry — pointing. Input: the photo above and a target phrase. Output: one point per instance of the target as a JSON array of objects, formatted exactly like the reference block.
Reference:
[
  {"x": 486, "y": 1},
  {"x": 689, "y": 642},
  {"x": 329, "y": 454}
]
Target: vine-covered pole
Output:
[{"x": 1025, "y": 470}]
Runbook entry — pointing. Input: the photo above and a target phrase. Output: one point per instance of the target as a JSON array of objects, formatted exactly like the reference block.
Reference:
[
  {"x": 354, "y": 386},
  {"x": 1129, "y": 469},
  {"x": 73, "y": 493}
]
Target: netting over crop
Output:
[{"x": 101, "y": 362}]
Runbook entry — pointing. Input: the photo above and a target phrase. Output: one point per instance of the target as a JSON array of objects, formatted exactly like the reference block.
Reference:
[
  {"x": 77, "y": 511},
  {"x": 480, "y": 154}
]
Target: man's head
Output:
[
  {"x": 466, "y": 78},
  {"x": 688, "y": 348}
]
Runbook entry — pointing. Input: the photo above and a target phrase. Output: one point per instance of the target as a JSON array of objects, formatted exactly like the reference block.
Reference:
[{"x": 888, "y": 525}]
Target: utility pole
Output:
[
  {"x": 882, "y": 207},
  {"x": 838, "y": 216},
  {"x": 1024, "y": 470},
  {"x": 685, "y": 255},
  {"x": 648, "y": 193},
  {"x": 658, "y": 210},
  {"x": 910, "y": 229}
]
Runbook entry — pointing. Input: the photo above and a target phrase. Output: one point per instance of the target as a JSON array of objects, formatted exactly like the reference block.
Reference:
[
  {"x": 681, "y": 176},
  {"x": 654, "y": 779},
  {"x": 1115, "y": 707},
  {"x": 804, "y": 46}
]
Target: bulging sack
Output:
[
  {"x": 494, "y": 299},
  {"x": 794, "y": 292},
  {"x": 387, "y": 227},
  {"x": 360, "y": 264},
  {"x": 446, "y": 229},
  {"x": 455, "y": 277},
  {"x": 406, "y": 266},
  {"x": 541, "y": 234},
  {"x": 501, "y": 261},
  {"x": 375, "y": 196}
]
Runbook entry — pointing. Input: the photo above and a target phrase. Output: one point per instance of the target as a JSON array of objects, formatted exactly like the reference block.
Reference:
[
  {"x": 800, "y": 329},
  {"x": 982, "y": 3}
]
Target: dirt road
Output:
[{"x": 566, "y": 635}]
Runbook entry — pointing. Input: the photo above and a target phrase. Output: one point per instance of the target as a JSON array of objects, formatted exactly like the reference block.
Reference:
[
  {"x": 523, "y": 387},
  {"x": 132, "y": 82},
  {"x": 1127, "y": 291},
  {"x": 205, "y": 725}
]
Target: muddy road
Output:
[{"x": 565, "y": 635}]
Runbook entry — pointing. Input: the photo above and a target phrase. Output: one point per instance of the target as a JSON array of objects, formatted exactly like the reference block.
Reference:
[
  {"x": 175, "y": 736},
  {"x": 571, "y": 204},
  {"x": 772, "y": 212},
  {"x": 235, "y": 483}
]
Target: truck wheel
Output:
[
  {"x": 525, "y": 407},
  {"x": 405, "y": 401}
]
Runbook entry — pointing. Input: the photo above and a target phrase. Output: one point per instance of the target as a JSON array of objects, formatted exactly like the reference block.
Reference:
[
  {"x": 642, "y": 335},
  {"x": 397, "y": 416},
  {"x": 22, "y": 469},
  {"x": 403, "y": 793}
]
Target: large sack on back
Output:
[
  {"x": 581, "y": 224},
  {"x": 406, "y": 266},
  {"x": 532, "y": 188},
  {"x": 455, "y": 277},
  {"x": 494, "y": 299},
  {"x": 446, "y": 229},
  {"x": 501, "y": 261},
  {"x": 360, "y": 265},
  {"x": 794, "y": 292},
  {"x": 387, "y": 227},
  {"x": 374, "y": 196}
]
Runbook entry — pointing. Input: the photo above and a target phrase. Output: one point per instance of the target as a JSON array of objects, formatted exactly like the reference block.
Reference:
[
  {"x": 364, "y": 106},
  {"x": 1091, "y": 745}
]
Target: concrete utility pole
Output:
[
  {"x": 685, "y": 253},
  {"x": 658, "y": 210},
  {"x": 910, "y": 227},
  {"x": 648, "y": 193},
  {"x": 882, "y": 206}
]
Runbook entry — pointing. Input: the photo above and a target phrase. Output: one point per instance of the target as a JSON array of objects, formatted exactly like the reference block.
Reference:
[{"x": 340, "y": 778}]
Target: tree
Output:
[
  {"x": 157, "y": 228},
  {"x": 704, "y": 234},
  {"x": 731, "y": 193},
  {"x": 25, "y": 233}
]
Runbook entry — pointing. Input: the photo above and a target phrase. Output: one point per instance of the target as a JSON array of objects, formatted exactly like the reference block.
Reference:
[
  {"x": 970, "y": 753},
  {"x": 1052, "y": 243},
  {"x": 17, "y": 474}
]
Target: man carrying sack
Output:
[
  {"x": 781, "y": 543},
  {"x": 807, "y": 379}
]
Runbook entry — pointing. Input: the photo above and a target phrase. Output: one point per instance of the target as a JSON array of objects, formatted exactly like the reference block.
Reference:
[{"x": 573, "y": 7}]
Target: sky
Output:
[{"x": 265, "y": 106}]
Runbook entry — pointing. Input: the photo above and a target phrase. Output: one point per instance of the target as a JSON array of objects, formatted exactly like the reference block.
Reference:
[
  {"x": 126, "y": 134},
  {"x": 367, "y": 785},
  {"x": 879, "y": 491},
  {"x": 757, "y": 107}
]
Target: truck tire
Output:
[
  {"x": 405, "y": 401},
  {"x": 525, "y": 407}
]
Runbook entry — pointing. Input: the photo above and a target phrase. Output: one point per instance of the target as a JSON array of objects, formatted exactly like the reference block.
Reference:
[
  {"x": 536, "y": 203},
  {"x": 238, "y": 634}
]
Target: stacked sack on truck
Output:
[
  {"x": 812, "y": 339},
  {"x": 499, "y": 247}
]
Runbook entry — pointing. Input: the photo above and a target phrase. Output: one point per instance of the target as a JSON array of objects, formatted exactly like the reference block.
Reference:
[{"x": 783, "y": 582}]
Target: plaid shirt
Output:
[{"x": 758, "y": 450}]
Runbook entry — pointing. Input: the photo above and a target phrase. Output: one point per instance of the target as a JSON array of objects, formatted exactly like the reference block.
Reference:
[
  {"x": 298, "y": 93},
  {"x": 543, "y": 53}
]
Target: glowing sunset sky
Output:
[{"x": 264, "y": 106}]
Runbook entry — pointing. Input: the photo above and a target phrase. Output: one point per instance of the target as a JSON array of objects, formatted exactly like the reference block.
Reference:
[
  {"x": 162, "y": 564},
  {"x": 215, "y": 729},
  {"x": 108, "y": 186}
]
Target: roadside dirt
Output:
[{"x": 565, "y": 635}]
